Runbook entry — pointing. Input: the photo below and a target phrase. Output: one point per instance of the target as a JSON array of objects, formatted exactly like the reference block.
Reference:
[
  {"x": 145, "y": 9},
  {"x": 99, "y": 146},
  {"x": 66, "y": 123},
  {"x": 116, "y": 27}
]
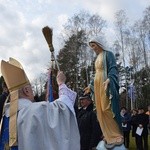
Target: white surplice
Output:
[{"x": 48, "y": 126}]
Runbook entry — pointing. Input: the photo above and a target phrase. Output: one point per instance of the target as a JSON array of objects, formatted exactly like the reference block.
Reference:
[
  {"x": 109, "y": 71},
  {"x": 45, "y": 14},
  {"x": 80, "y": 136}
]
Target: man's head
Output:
[
  {"x": 123, "y": 110},
  {"x": 16, "y": 79},
  {"x": 26, "y": 92},
  {"x": 140, "y": 110},
  {"x": 85, "y": 100},
  {"x": 134, "y": 111}
]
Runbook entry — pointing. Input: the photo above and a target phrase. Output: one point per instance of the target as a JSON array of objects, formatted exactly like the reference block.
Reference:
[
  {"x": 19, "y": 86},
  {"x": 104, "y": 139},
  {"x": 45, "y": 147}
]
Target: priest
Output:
[{"x": 37, "y": 126}]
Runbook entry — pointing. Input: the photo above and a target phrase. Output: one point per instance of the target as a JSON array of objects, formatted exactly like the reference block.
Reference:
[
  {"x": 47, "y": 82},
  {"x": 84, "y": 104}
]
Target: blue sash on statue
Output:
[{"x": 4, "y": 138}]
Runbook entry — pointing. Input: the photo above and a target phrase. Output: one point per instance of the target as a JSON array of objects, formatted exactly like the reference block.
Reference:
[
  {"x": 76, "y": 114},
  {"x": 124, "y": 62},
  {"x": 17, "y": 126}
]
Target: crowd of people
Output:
[
  {"x": 89, "y": 127},
  {"x": 57, "y": 125},
  {"x": 131, "y": 121},
  {"x": 136, "y": 122}
]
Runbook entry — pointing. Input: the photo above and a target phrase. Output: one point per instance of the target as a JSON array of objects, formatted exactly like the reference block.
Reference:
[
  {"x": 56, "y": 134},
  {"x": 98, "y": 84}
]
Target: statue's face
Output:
[{"x": 96, "y": 47}]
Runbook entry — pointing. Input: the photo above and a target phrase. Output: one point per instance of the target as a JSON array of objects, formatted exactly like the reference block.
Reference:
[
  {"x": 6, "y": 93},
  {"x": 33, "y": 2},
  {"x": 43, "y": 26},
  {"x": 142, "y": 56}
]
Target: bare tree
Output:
[
  {"x": 146, "y": 24},
  {"x": 39, "y": 85},
  {"x": 121, "y": 21},
  {"x": 88, "y": 25},
  {"x": 146, "y": 21},
  {"x": 121, "y": 25},
  {"x": 96, "y": 25}
]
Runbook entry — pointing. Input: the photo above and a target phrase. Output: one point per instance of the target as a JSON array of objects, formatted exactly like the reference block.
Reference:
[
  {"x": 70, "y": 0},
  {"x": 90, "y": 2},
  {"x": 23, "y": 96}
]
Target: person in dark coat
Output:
[
  {"x": 148, "y": 113},
  {"x": 90, "y": 132},
  {"x": 133, "y": 123},
  {"x": 126, "y": 125},
  {"x": 3, "y": 98},
  {"x": 142, "y": 122}
]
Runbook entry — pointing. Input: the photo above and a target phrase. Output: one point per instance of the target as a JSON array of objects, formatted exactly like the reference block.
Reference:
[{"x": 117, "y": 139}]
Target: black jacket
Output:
[
  {"x": 134, "y": 125},
  {"x": 126, "y": 119},
  {"x": 143, "y": 119},
  {"x": 90, "y": 132}
]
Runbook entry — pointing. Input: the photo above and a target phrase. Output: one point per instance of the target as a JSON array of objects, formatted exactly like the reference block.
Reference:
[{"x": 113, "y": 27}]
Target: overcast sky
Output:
[{"x": 21, "y": 22}]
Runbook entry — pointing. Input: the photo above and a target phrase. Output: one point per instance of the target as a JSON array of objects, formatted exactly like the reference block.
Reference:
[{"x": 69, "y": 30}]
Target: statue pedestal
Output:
[{"x": 101, "y": 146}]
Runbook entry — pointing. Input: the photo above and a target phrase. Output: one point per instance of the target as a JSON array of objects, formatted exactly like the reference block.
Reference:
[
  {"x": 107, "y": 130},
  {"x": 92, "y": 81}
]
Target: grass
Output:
[{"x": 132, "y": 145}]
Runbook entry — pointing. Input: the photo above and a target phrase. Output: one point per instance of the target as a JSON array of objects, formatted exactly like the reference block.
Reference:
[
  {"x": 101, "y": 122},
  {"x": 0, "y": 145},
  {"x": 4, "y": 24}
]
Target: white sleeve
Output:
[{"x": 67, "y": 96}]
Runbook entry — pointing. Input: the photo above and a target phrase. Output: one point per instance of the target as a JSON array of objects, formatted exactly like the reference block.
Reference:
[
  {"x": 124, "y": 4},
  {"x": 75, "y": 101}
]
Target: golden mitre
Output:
[
  {"x": 15, "y": 78},
  {"x": 13, "y": 74}
]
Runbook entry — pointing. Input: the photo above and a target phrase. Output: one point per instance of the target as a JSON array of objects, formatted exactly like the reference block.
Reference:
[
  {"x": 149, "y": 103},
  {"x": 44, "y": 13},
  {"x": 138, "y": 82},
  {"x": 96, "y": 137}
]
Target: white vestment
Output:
[{"x": 48, "y": 126}]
